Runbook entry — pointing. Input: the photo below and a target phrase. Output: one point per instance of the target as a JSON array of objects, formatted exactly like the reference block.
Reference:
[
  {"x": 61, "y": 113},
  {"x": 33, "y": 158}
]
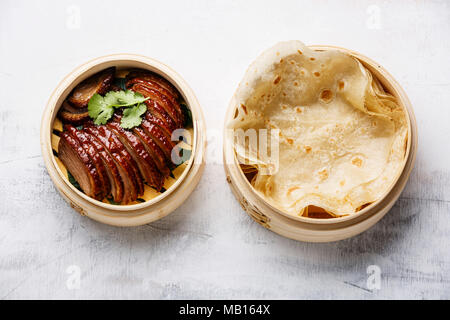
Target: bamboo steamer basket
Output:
[
  {"x": 152, "y": 209},
  {"x": 313, "y": 229}
]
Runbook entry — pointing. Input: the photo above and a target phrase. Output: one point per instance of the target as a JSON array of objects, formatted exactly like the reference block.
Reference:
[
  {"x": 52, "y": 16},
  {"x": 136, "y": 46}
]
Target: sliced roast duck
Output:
[
  {"x": 99, "y": 83},
  {"x": 108, "y": 160}
]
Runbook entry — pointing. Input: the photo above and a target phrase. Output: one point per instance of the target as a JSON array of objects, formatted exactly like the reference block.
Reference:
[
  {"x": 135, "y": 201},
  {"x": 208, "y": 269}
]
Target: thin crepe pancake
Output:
[{"x": 341, "y": 139}]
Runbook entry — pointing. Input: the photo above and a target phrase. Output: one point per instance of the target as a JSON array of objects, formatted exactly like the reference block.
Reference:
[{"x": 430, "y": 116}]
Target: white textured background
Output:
[{"x": 209, "y": 248}]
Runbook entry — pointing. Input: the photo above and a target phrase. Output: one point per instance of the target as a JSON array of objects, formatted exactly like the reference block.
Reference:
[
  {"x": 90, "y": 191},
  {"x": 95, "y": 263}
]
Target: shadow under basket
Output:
[
  {"x": 152, "y": 205},
  {"x": 322, "y": 228}
]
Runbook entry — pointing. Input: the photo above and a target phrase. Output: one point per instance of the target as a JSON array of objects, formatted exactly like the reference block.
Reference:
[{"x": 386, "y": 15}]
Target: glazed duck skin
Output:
[
  {"x": 155, "y": 86},
  {"x": 160, "y": 139},
  {"x": 99, "y": 83},
  {"x": 156, "y": 121},
  {"x": 152, "y": 85},
  {"x": 152, "y": 148},
  {"x": 107, "y": 132},
  {"x": 93, "y": 154},
  {"x": 157, "y": 110},
  {"x": 140, "y": 155},
  {"x": 115, "y": 150},
  {"x": 111, "y": 168},
  {"x": 153, "y": 77},
  {"x": 156, "y": 82},
  {"x": 78, "y": 163},
  {"x": 73, "y": 115},
  {"x": 163, "y": 101}
]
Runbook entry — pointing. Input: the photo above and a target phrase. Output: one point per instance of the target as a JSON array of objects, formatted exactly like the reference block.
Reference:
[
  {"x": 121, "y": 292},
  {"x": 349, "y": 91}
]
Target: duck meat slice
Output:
[
  {"x": 98, "y": 83},
  {"x": 117, "y": 150},
  {"x": 154, "y": 116},
  {"x": 165, "y": 93},
  {"x": 80, "y": 165},
  {"x": 144, "y": 161},
  {"x": 151, "y": 84},
  {"x": 153, "y": 77},
  {"x": 137, "y": 175},
  {"x": 93, "y": 154},
  {"x": 162, "y": 101},
  {"x": 160, "y": 139},
  {"x": 73, "y": 115},
  {"x": 158, "y": 83},
  {"x": 156, "y": 121},
  {"x": 153, "y": 149},
  {"x": 112, "y": 170},
  {"x": 154, "y": 108}
]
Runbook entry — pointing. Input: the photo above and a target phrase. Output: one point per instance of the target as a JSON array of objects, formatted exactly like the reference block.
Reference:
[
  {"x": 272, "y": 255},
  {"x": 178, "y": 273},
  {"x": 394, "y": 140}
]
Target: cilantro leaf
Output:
[
  {"x": 101, "y": 109},
  {"x": 132, "y": 116},
  {"x": 122, "y": 98},
  {"x": 73, "y": 181}
]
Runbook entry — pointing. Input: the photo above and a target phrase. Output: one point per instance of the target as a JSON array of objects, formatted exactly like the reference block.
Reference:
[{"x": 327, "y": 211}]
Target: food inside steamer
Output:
[
  {"x": 113, "y": 135},
  {"x": 341, "y": 137}
]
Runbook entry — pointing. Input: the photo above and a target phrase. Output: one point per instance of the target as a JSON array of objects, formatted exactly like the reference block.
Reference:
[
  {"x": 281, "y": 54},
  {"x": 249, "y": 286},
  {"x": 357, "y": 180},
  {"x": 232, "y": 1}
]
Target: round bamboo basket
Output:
[
  {"x": 313, "y": 229},
  {"x": 159, "y": 205}
]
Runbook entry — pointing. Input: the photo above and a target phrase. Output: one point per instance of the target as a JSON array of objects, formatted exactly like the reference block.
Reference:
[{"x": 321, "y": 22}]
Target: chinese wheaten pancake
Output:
[{"x": 341, "y": 138}]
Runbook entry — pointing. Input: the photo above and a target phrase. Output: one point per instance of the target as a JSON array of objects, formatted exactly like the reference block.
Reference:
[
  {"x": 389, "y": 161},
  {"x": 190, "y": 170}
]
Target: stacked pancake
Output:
[{"x": 341, "y": 138}]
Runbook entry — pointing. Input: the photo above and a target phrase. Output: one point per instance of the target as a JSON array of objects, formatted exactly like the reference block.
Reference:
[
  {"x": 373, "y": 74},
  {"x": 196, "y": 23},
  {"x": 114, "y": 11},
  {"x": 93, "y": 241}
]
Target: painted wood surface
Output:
[{"x": 209, "y": 248}]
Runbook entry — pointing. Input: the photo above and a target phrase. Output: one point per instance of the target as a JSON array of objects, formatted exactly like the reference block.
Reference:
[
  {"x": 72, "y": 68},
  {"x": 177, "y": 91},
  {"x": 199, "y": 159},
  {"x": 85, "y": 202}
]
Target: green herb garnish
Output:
[
  {"x": 187, "y": 115},
  {"x": 73, "y": 181},
  {"x": 120, "y": 82},
  {"x": 132, "y": 116},
  {"x": 111, "y": 201},
  {"x": 101, "y": 109}
]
